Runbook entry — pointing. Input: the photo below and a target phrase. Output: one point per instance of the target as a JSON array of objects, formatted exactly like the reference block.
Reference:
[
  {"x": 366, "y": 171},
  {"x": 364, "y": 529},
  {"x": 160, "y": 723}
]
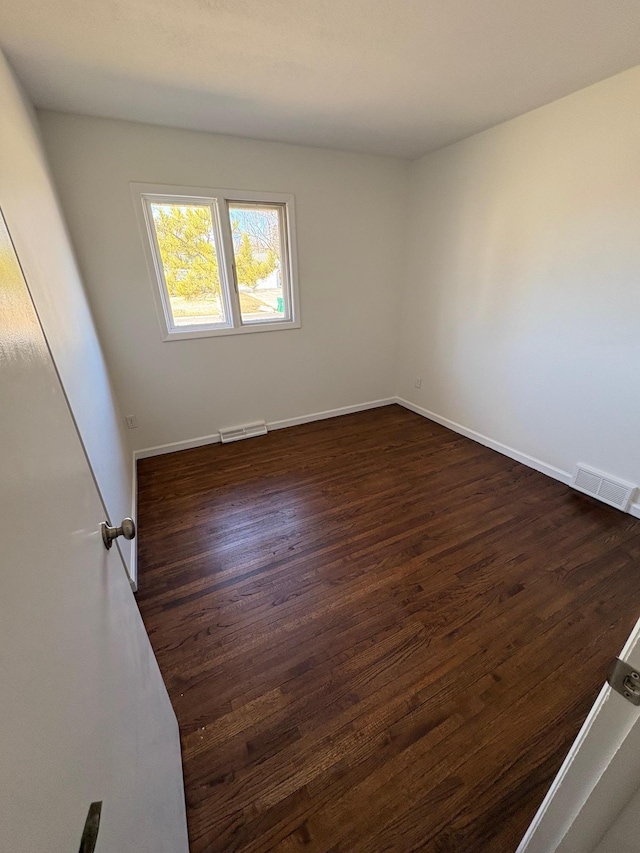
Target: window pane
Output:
[
  {"x": 190, "y": 262},
  {"x": 257, "y": 247}
]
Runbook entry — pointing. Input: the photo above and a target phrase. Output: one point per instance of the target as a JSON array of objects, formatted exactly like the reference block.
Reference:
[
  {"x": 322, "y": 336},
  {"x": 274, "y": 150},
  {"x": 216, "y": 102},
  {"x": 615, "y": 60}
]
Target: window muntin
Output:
[{"x": 222, "y": 262}]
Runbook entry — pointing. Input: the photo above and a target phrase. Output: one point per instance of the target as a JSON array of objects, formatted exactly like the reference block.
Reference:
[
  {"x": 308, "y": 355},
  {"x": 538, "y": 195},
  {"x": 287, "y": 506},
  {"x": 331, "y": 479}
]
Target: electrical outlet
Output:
[
  {"x": 132, "y": 421},
  {"x": 417, "y": 382}
]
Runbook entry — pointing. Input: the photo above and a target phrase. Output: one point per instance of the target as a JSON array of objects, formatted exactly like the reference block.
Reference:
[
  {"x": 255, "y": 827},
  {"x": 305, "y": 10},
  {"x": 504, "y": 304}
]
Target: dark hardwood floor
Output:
[{"x": 377, "y": 635}]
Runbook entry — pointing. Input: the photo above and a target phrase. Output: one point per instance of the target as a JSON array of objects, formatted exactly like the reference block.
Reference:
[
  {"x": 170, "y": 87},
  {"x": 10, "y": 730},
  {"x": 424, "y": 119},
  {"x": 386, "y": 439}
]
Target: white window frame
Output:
[{"x": 219, "y": 201}]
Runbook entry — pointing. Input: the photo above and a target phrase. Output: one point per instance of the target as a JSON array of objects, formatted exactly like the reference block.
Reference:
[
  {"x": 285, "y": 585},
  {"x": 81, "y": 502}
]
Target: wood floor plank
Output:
[{"x": 377, "y": 635}]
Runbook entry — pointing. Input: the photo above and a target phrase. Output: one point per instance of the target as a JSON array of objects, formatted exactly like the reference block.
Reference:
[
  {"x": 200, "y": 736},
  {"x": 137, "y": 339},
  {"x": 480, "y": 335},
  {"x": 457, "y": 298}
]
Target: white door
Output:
[
  {"x": 584, "y": 810},
  {"x": 84, "y": 714}
]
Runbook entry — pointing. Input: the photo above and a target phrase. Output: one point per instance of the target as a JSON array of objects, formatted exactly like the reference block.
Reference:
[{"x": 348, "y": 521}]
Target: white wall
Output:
[
  {"x": 520, "y": 270},
  {"x": 29, "y": 204},
  {"x": 350, "y": 219},
  {"x": 522, "y": 307},
  {"x": 622, "y": 835}
]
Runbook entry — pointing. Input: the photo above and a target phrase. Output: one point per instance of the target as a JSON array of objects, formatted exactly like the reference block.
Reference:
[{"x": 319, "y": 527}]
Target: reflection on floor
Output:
[{"x": 377, "y": 635}]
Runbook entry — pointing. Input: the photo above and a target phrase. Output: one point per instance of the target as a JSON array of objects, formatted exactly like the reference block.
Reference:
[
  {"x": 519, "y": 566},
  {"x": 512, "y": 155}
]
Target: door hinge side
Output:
[{"x": 625, "y": 680}]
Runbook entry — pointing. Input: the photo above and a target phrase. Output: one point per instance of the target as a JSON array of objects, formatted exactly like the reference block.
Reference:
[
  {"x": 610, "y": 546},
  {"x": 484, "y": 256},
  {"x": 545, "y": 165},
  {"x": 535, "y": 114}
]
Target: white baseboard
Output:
[
  {"x": 214, "y": 438},
  {"x": 511, "y": 452},
  {"x": 202, "y": 440},
  {"x": 331, "y": 413},
  {"x": 174, "y": 446},
  {"x": 499, "y": 447}
]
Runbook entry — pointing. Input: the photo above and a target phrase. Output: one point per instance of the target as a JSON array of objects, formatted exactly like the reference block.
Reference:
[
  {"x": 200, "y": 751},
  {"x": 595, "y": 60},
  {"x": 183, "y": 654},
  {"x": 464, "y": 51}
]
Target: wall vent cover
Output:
[
  {"x": 244, "y": 431},
  {"x": 614, "y": 492}
]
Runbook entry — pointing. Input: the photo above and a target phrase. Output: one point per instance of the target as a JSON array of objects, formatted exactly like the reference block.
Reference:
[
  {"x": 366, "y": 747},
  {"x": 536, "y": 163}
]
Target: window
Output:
[{"x": 221, "y": 262}]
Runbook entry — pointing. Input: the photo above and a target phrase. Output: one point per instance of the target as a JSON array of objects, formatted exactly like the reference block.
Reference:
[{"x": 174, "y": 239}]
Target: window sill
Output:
[{"x": 207, "y": 332}]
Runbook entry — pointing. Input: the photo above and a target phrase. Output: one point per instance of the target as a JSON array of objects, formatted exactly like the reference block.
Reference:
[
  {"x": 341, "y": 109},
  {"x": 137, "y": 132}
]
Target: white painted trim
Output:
[
  {"x": 216, "y": 199},
  {"x": 531, "y": 461},
  {"x": 557, "y": 783},
  {"x": 133, "y": 564},
  {"x": 331, "y": 413},
  {"x": 174, "y": 446},
  {"x": 569, "y": 817},
  {"x": 214, "y": 438},
  {"x": 511, "y": 452}
]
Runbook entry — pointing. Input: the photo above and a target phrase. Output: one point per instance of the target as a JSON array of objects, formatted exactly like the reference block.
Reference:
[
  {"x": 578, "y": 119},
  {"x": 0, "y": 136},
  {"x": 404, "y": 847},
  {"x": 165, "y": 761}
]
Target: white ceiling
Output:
[{"x": 387, "y": 76}]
